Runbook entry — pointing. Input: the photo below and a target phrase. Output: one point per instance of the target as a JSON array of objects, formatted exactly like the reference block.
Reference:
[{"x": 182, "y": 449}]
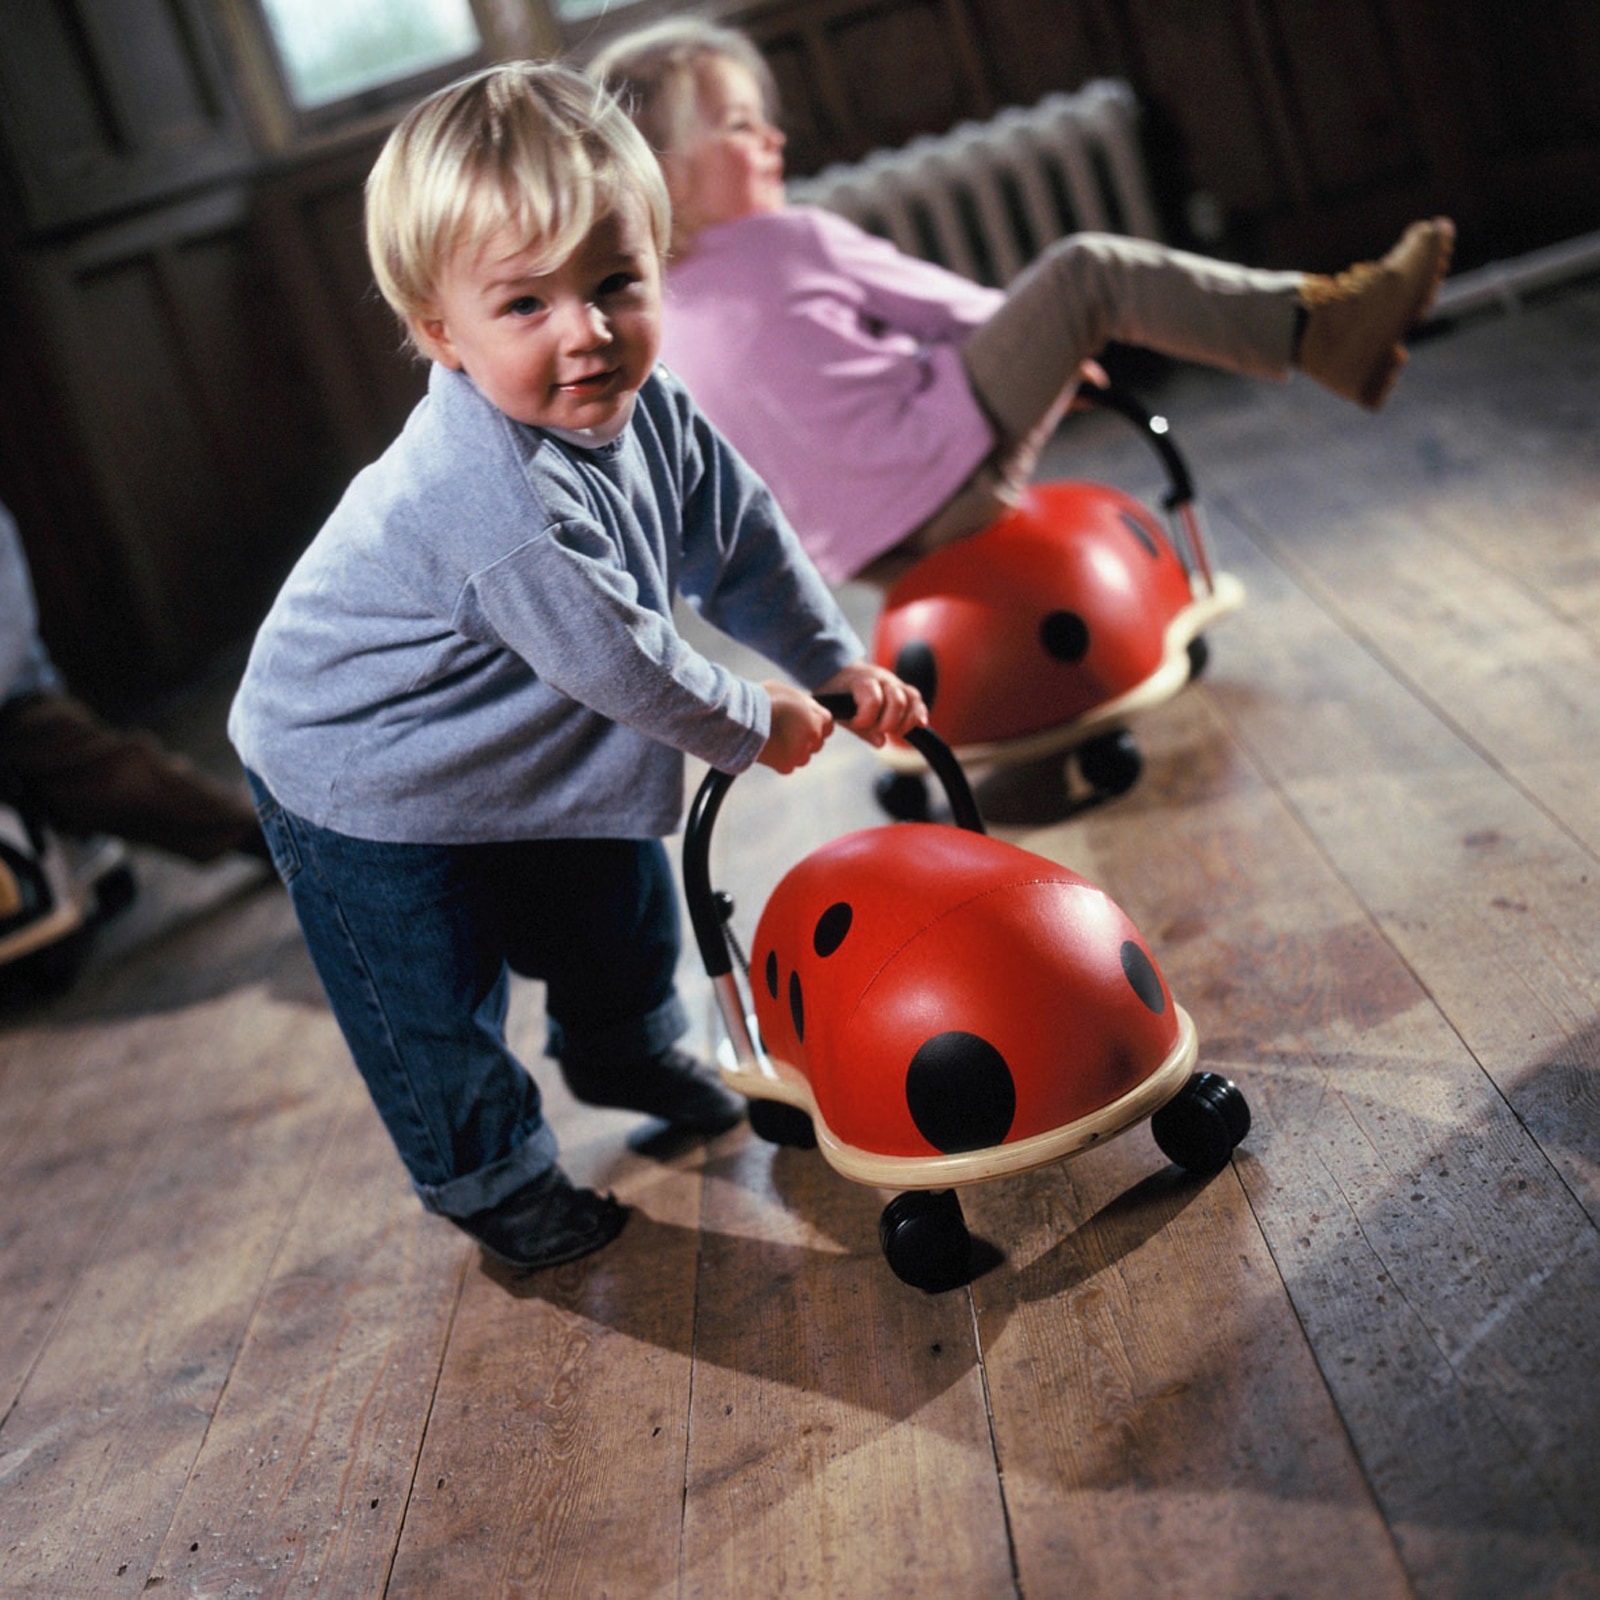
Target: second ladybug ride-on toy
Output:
[
  {"x": 934, "y": 1007},
  {"x": 1046, "y": 632}
]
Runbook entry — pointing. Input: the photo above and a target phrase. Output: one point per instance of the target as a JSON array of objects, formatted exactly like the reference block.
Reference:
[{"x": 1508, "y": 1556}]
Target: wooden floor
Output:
[{"x": 237, "y": 1359}]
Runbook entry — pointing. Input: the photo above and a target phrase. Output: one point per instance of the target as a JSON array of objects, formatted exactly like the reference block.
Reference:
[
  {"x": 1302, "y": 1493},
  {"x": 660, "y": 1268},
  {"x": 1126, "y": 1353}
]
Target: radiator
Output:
[{"x": 987, "y": 197}]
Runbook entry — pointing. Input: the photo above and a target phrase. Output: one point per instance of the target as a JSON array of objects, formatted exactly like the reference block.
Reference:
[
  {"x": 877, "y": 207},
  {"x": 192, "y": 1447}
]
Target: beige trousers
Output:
[{"x": 1083, "y": 292}]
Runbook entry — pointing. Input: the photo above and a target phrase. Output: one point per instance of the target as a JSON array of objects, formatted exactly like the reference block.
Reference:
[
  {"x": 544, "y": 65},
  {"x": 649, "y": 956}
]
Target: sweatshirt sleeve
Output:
[
  {"x": 562, "y": 603},
  {"x": 745, "y": 570},
  {"x": 917, "y": 297}
]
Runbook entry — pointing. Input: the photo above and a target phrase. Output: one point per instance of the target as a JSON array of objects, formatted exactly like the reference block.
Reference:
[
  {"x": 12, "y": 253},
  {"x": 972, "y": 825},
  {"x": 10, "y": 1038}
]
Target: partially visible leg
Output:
[
  {"x": 1091, "y": 288},
  {"x": 609, "y": 963},
  {"x": 84, "y": 776},
  {"x": 405, "y": 941},
  {"x": 1084, "y": 291},
  {"x": 1355, "y": 321},
  {"x": 1345, "y": 332}
]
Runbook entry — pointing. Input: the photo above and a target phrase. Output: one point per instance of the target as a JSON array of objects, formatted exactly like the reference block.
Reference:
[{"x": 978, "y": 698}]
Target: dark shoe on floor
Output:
[
  {"x": 546, "y": 1222},
  {"x": 674, "y": 1086}
]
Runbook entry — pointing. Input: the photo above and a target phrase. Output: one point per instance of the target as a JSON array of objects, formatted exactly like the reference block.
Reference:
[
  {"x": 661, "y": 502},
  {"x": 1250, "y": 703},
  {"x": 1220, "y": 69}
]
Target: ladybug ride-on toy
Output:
[
  {"x": 934, "y": 1007},
  {"x": 1050, "y": 629}
]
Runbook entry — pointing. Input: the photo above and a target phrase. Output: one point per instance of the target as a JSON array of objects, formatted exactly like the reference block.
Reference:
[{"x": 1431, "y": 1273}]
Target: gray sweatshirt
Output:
[{"x": 479, "y": 643}]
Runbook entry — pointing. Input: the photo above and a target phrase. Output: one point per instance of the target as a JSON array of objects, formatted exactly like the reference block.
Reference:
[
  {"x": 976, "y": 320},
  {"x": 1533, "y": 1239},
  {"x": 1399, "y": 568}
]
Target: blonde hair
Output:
[
  {"x": 652, "y": 71},
  {"x": 532, "y": 147}
]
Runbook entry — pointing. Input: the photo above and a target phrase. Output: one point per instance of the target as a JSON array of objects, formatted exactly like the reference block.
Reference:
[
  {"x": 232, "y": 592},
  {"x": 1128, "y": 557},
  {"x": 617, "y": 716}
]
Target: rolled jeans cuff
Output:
[{"x": 489, "y": 1185}]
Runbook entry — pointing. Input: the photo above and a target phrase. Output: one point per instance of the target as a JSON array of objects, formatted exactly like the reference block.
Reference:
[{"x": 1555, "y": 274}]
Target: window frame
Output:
[
  {"x": 507, "y": 29},
  {"x": 582, "y": 36}
]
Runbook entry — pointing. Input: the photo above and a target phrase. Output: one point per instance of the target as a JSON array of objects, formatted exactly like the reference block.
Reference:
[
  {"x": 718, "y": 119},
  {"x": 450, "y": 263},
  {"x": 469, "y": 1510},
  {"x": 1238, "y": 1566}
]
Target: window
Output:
[
  {"x": 584, "y": 21},
  {"x": 335, "y": 51}
]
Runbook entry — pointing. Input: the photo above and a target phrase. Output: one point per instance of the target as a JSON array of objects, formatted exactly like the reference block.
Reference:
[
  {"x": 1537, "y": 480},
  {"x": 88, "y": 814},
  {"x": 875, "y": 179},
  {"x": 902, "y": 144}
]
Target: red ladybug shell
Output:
[
  {"x": 1049, "y": 613},
  {"x": 1003, "y": 997}
]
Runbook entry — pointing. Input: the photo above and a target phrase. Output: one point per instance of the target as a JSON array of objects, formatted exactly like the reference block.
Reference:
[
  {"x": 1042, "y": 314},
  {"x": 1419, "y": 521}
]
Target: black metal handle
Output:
[
  {"x": 1156, "y": 433},
  {"x": 843, "y": 706},
  {"x": 705, "y": 916},
  {"x": 939, "y": 756}
]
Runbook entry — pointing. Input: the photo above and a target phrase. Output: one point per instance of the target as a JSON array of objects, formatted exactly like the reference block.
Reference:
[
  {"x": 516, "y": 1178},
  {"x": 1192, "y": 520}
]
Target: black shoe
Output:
[
  {"x": 674, "y": 1086},
  {"x": 546, "y": 1222}
]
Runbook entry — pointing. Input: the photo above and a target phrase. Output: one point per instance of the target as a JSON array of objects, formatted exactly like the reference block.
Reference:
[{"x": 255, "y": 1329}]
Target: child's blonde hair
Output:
[
  {"x": 533, "y": 147},
  {"x": 652, "y": 72}
]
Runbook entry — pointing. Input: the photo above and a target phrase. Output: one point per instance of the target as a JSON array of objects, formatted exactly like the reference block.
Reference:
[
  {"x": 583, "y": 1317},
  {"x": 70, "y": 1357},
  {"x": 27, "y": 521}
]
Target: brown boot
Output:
[{"x": 1355, "y": 321}]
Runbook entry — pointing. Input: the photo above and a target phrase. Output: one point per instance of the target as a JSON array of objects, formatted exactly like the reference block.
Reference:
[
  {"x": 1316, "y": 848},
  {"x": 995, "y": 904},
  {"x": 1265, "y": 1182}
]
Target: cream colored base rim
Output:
[
  {"x": 1226, "y": 596},
  {"x": 975, "y": 1166},
  {"x": 47, "y": 930}
]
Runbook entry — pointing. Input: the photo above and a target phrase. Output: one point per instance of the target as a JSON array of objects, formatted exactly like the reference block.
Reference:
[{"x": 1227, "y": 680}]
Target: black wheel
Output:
[
  {"x": 783, "y": 1124},
  {"x": 1200, "y": 1127},
  {"x": 925, "y": 1240},
  {"x": 1111, "y": 764},
  {"x": 904, "y": 795},
  {"x": 1199, "y": 656}
]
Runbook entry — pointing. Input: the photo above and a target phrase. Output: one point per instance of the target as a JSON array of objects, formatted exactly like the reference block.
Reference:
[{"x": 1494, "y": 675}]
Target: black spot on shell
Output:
[
  {"x": 916, "y": 665},
  {"x": 1142, "y": 977},
  {"x": 1065, "y": 635},
  {"x": 797, "y": 1006},
  {"x": 832, "y": 926},
  {"x": 772, "y": 973},
  {"x": 960, "y": 1093}
]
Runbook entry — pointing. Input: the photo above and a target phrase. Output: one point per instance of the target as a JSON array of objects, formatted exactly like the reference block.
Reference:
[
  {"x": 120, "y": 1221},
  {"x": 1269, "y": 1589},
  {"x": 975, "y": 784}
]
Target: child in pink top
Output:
[{"x": 893, "y": 406}]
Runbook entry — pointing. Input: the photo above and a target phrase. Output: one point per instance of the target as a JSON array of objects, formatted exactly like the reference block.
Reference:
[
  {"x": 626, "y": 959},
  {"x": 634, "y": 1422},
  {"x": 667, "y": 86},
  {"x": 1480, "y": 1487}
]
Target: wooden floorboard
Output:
[
  {"x": 554, "y": 1462},
  {"x": 838, "y": 1416},
  {"x": 238, "y": 1359}
]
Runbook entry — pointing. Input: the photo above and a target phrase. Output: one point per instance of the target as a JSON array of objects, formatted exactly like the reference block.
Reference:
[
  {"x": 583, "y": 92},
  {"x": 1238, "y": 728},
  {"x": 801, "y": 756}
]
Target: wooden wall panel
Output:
[
  {"x": 106, "y": 103},
  {"x": 202, "y": 443},
  {"x": 1348, "y": 108},
  {"x": 936, "y": 79},
  {"x": 77, "y": 574},
  {"x": 154, "y": 446},
  {"x": 196, "y": 361},
  {"x": 1027, "y": 53},
  {"x": 1525, "y": 87},
  {"x": 311, "y": 223},
  {"x": 858, "y": 77},
  {"x": 1205, "y": 74},
  {"x": 1311, "y": 130}
]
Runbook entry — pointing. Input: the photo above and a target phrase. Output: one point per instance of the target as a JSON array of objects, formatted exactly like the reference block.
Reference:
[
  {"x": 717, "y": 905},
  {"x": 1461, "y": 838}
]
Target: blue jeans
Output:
[{"x": 415, "y": 944}]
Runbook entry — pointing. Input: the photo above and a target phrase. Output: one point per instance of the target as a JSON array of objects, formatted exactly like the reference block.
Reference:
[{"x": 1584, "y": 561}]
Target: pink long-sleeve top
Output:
[{"x": 831, "y": 362}]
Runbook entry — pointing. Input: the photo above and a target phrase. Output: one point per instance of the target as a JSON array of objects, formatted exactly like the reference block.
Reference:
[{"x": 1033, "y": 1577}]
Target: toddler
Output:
[
  {"x": 893, "y": 406},
  {"x": 464, "y": 717}
]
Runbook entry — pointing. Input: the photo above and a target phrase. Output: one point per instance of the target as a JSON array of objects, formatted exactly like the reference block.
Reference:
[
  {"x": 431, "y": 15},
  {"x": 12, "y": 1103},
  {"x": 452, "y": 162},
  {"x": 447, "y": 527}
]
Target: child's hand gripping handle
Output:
[
  {"x": 939, "y": 756},
  {"x": 706, "y": 915},
  {"x": 842, "y": 706}
]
